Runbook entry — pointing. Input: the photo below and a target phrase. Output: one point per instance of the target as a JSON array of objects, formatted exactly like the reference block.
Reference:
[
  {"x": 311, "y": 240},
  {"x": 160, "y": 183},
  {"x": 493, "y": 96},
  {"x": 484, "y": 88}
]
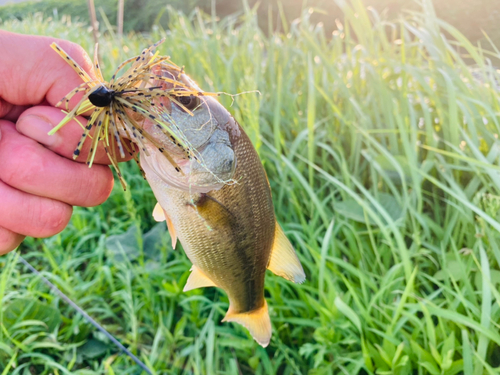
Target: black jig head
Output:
[{"x": 102, "y": 97}]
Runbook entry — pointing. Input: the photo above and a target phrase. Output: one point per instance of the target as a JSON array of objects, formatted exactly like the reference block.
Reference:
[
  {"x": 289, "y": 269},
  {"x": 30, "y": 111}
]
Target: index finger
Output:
[{"x": 37, "y": 121}]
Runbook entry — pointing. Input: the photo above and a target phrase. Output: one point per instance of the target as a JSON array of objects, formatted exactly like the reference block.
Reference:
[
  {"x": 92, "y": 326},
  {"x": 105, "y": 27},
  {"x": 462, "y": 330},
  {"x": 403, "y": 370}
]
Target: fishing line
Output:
[{"x": 86, "y": 316}]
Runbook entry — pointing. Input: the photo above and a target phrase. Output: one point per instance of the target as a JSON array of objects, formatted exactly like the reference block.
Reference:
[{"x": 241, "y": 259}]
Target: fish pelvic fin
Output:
[
  {"x": 197, "y": 279},
  {"x": 160, "y": 215},
  {"x": 171, "y": 230},
  {"x": 256, "y": 321},
  {"x": 284, "y": 261}
]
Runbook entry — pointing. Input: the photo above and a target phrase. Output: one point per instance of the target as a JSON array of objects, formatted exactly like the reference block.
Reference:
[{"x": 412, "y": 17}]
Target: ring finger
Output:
[{"x": 9, "y": 240}]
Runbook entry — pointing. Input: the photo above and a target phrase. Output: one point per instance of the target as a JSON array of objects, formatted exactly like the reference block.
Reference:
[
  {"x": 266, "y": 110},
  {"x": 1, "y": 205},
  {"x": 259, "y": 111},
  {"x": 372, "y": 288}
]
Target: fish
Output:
[
  {"x": 228, "y": 231},
  {"x": 210, "y": 184}
]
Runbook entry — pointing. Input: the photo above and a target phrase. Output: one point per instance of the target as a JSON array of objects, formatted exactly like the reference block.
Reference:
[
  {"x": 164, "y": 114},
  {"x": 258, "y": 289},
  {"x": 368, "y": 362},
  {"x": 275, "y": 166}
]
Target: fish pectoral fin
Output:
[
  {"x": 257, "y": 322},
  {"x": 159, "y": 214},
  {"x": 284, "y": 261},
  {"x": 197, "y": 279}
]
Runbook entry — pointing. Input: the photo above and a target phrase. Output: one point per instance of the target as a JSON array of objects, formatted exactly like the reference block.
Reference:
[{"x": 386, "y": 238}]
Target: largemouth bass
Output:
[
  {"x": 211, "y": 187},
  {"x": 228, "y": 230}
]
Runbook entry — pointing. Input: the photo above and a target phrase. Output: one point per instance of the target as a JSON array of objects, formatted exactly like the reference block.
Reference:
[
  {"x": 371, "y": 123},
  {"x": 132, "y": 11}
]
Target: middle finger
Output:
[{"x": 30, "y": 167}]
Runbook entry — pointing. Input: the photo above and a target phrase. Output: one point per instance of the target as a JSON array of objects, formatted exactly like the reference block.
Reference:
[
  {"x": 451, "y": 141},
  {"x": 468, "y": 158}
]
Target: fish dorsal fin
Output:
[
  {"x": 160, "y": 215},
  {"x": 284, "y": 261},
  {"x": 197, "y": 279},
  {"x": 257, "y": 322}
]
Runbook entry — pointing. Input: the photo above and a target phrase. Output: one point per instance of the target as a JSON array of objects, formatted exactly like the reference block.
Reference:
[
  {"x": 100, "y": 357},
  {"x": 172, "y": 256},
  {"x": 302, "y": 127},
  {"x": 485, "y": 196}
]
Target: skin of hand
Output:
[{"x": 39, "y": 181}]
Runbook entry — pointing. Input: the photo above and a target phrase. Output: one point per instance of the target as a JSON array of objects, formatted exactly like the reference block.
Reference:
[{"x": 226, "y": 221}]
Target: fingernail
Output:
[{"x": 37, "y": 128}]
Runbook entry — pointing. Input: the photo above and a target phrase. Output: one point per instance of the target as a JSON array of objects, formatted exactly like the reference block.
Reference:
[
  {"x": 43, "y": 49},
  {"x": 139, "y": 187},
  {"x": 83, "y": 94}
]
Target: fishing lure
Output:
[{"x": 117, "y": 108}]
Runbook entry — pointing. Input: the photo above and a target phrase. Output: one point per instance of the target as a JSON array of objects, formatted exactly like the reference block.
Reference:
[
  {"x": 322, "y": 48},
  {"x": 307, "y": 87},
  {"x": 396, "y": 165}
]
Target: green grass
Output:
[{"x": 382, "y": 152}]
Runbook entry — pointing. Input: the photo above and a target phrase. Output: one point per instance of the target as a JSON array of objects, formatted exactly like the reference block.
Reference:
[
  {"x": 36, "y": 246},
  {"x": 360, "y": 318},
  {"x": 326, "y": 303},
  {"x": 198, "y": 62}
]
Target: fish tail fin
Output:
[{"x": 256, "y": 321}]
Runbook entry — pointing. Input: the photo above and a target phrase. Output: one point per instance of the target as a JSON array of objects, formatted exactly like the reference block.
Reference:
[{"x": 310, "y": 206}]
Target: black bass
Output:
[
  {"x": 205, "y": 173},
  {"x": 228, "y": 230}
]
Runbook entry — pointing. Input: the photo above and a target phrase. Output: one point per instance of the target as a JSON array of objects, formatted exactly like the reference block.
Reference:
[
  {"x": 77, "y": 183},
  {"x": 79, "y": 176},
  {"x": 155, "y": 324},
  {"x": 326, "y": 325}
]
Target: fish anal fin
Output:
[
  {"x": 197, "y": 279},
  {"x": 256, "y": 321},
  {"x": 159, "y": 214},
  {"x": 284, "y": 261}
]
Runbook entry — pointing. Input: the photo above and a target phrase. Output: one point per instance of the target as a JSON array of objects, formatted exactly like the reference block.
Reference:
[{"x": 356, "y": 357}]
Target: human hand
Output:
[{"x": 39, "y": 181}]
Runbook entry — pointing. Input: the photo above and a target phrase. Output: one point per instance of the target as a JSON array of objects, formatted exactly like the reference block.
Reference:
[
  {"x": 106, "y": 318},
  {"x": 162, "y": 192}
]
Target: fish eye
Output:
[{"x": 189, "y": 102}]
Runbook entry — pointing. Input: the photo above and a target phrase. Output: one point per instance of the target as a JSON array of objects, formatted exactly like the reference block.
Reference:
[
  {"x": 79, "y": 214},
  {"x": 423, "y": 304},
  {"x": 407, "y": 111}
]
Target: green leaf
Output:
[
  {"x": 253, "y": 362},
  {"x": 397, "y": 354},
  {"x": 448, "y": 351},
  {"x": 456, "y": 367},
  {"x": 92, "y": 349},
  {"x": 349, "y": 313},
  {"x": 453, "y": 269},
  {"x": 128, "y": 244},
  {"x": 5, "y": 348},
  {"x": 29, "y": 311},
  {"x": 375, "y": 355},
  {"x": 384, "y": 355},
  {"x": 390, "y": 169},
  {"x": 351, "y": 209},
  {"x": 124, "y": 246},
  {"x": 422, "y": 355},
  {"x": 154, "y": 240},
  {"x": 431, "y": 368},
  {"x": 467, "y": 354}
]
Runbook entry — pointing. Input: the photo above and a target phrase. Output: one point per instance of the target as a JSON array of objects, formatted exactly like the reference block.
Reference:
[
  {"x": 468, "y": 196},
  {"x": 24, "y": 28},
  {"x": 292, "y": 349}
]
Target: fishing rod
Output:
[{"x": 85, "y": 315}]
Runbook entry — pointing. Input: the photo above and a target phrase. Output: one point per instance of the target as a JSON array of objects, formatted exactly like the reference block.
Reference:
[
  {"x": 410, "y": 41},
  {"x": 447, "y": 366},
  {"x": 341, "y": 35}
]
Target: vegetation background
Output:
[
  {"x": 380, "y": 139},
  {"x": 471, "y": 17}
]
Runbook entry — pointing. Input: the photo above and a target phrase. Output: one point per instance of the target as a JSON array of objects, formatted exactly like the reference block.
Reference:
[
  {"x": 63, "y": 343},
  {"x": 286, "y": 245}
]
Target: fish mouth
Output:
[{"x": 189, "y": 149}]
